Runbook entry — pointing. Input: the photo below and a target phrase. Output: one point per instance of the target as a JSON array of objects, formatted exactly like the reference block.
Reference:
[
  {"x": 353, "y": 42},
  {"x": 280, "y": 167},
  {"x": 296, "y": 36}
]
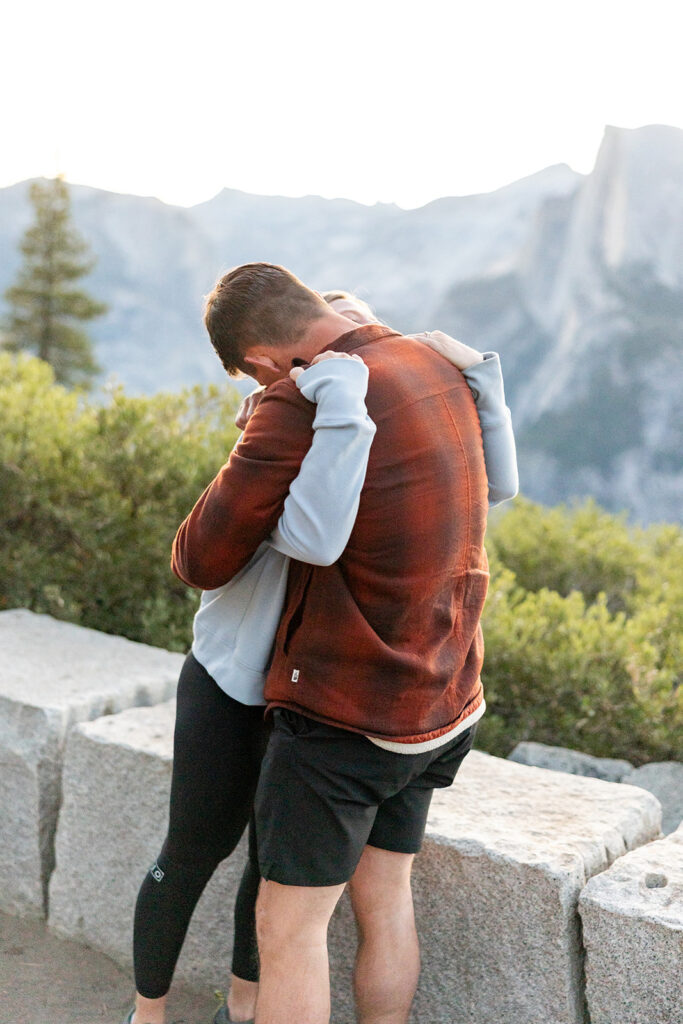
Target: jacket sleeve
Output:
[
  {"x": 241, "y": 507},
  {"x": 320, "y": 509},
  {"x": 485, "y": 380}
]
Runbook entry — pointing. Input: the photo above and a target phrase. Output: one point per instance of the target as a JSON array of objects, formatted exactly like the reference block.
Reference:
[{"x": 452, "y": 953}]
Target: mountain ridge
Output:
[{"x": 577, "y": 280}]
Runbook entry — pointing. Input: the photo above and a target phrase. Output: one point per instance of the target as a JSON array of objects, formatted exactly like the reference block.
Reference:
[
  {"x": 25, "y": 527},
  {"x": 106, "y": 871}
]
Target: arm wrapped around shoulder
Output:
[{"x": 242, "y": 505}]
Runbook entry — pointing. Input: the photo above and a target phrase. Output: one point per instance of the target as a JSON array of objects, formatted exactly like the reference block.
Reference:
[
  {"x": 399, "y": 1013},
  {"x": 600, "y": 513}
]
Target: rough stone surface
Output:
[
  {"x": 55, "y": 674},
  {"x": 665, "y": 780},
  {"x": 508, "y": 851},
  {"x": 632, "y": 918},
  {"x": 561, "y": 759}
]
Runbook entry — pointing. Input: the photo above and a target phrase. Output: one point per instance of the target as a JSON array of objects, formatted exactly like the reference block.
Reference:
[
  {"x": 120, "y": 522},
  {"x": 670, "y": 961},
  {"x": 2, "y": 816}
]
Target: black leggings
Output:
[{"x": 217, "y": 751}]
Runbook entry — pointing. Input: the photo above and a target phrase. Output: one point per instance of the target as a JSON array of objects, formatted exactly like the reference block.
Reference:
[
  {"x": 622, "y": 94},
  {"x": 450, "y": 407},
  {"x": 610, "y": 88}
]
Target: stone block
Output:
[
  {"x": 665, "y": 780},
  {"x": 562, "y": 759},
  {"x": 53, "y": 675},
  {"x": 508, "y": 850},
  {"x": 632, "y": 917}
]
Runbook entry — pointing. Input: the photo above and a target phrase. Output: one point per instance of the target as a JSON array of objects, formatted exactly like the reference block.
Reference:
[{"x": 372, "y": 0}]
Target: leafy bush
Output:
[
  {"x": 584, "y": 633},
  {"x": 91, "y": 497},
  {"x": 566, "y": 549},
  {"x": 563, "y": 671},
  {"x": 583, "y": 626}
]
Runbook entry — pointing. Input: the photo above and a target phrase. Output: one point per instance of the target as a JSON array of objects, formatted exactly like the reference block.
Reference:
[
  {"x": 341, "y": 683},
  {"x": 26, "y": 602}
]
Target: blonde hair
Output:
[{"x": 333, "y": 296}]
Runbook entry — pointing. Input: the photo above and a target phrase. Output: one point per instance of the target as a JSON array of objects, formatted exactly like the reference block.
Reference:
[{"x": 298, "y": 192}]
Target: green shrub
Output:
[
  {"x": 583, "y": 626},
  {"x": 91, "y": 497},
  {"x": 562, "y": 671},
  {"x": 565, "y": 549},
  {"x": 584, "y": 633}
]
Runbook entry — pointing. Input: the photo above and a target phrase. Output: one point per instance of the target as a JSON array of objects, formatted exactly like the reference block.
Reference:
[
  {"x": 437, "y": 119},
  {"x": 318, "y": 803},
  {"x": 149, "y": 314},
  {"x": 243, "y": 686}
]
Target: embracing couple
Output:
[{"x": 340, "y": 551}]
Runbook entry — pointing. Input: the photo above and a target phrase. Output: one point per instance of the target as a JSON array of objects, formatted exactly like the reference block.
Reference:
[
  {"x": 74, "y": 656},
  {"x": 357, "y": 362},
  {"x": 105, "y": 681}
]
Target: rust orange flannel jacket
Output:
[{"x": 386, "y": 641}]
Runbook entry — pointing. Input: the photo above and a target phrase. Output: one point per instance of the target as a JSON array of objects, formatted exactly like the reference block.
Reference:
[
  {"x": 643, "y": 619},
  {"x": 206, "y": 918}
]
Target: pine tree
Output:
[{"x": 45, "y": 308}]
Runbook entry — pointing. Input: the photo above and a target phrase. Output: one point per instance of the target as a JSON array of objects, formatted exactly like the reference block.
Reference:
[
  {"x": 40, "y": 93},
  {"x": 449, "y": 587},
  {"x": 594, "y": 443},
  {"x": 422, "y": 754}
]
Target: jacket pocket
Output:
[{"x": 292, "y": 622}]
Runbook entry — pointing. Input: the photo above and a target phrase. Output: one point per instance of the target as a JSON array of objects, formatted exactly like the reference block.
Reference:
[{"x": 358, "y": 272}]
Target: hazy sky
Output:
[{"x": 373, "y": 100}]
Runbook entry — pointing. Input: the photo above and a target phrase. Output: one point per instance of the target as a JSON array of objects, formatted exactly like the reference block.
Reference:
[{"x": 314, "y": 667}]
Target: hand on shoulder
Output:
[
  {"x": 296, "y": 371},
  {"x": 456, "y": 352},
  {"x": 247, "y": 407}
]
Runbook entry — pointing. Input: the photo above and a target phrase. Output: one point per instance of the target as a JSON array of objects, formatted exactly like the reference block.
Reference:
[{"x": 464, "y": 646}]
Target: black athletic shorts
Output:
[{"x": 324, "y": 793}]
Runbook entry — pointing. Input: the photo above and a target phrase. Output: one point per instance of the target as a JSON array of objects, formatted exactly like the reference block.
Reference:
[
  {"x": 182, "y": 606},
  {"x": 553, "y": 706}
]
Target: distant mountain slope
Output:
[
  {"x": 590, "y": 323},
  {"x": 576, "y": 280}
]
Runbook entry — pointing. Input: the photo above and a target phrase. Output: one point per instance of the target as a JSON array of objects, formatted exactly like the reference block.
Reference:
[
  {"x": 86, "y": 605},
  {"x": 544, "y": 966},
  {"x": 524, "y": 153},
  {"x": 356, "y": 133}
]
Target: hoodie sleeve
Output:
[
  {"x": 320, "y": 509},
  {"x": 485, "y": 380}
]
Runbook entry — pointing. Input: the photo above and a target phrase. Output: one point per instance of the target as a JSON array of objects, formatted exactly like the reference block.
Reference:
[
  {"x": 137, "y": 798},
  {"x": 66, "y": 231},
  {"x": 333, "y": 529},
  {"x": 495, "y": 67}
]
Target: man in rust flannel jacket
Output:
[{"x": 386, "y": 642}]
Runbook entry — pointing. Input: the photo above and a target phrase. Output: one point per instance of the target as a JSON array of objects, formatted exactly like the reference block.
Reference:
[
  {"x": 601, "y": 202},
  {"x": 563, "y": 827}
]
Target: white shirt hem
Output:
[{"x": 438, "y": 741}]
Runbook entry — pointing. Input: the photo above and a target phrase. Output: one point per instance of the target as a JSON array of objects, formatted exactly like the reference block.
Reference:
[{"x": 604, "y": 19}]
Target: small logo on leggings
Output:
[
  {"x": 156, "y": 872},
  {"x": 295, "y": 675}
]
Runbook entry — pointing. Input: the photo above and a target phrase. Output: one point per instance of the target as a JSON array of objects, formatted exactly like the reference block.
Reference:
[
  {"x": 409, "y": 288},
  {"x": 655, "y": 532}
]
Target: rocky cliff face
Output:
[
  {"x": 590, "y": 315},
  {"x": 576, "y": 280}
]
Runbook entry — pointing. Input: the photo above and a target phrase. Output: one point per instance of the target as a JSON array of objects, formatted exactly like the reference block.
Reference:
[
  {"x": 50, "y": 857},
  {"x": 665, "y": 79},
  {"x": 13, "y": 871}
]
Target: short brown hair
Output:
[{"x": 258, "y": 303}]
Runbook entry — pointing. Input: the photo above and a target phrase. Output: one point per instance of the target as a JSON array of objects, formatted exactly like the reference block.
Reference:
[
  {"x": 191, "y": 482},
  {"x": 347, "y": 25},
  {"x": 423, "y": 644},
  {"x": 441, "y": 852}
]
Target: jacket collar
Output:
[{"x": 360, "y": 336}]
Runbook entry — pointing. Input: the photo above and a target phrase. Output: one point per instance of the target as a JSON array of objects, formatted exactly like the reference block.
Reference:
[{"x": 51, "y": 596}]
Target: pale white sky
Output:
[{"x": 374, "y": 100}]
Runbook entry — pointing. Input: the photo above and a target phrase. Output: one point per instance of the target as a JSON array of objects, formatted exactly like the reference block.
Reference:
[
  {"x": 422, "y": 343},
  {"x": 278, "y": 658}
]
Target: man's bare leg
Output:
[
  {"x": 388, "y": 958},
  {"x": 291, "y": 924},
  {"x": 242, "y": 998}
]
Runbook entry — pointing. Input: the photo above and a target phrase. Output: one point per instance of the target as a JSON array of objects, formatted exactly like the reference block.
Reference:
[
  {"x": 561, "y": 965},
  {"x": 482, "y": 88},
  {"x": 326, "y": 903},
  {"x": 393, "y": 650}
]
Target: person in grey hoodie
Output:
[{"x": 220, "y": 731}]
